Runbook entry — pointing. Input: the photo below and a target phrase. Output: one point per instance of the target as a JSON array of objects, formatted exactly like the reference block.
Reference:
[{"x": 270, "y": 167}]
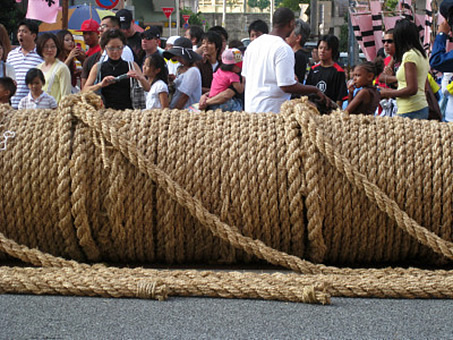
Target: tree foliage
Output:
[
  {"x": 390, "y": 5},
  {"x": 10, "y": 15},
  {"x": 232, "y": 4},
  {"x": 344, "y": 35},
  {"x": 260, "y": 4},
  {"x": 195, "y": 18},
  {"x": 291, "y": 4}
]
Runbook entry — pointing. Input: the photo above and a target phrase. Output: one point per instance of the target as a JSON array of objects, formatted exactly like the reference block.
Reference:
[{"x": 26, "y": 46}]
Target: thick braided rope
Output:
[
  {"x": 197, "y": 209},
  {"x": 101, "y": 282},
  {"x": 183, "y": 198},
  {"x": 373, "y": 192},
  {"x": 168, "y": 215},
  {"x": 80, "y": 279},
  {"x": 59, "y": 276},
  {"x": 128, "y": 152}
]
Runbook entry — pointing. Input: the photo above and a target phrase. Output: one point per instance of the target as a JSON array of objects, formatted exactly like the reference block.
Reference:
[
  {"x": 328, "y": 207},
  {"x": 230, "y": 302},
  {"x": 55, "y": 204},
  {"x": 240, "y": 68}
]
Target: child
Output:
[
  {"x": 155, "y": 69},
  {"x": 36, "y": 98},
  {"x": 226, "y": 77},
  {"x": 349, "y": 84},
  {"x": 7, "y": 90},
  {"x": 328, "y": 76},
  {"x": 367, "y": 99}
]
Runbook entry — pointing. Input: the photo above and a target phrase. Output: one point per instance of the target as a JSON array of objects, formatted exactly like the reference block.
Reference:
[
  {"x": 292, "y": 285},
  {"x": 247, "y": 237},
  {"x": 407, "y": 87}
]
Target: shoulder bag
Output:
[{"x": 137, "y": 92}]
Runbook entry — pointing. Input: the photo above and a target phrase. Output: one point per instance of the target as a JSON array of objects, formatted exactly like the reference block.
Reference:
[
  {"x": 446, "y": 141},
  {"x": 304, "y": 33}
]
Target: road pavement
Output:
[{"x": 58, "y": 317}]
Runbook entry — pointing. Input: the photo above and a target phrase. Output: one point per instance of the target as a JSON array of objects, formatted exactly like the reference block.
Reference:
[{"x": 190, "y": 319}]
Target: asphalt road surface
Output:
[{"x": 58, "y": 317}]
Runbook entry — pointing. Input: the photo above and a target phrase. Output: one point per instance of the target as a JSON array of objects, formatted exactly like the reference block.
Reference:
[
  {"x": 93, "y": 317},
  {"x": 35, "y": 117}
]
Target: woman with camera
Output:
[{"x": 112, "y": 77}]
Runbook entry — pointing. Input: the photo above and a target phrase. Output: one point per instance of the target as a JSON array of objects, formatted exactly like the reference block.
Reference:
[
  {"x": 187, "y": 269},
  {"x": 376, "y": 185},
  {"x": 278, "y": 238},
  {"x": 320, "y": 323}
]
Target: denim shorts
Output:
[
  {"x": 419, "y": 114},
  {"x": 233, "y": 104}
]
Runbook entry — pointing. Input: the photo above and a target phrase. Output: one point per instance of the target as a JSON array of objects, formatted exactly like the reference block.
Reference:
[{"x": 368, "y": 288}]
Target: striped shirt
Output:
[
  {"x": 44, "y": 101},
  {"x": 22, "y": 63}
]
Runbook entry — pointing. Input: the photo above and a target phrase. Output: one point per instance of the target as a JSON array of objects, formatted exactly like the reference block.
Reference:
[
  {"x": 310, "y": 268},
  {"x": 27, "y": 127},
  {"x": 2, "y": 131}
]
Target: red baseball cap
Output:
[{"x": 89, "y": 25}]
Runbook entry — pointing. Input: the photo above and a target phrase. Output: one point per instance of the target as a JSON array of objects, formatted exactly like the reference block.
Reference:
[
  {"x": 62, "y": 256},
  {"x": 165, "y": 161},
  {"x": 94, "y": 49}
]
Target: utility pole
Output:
[
  {"x": 314, "y": 17},
  {"x": 223, "y": 13},
  {"x": 65, "y": 14},
  {"x": 271, "y": 12},
  {"x": 353, "y": 51},
  {"x": 177, "y": 17}
]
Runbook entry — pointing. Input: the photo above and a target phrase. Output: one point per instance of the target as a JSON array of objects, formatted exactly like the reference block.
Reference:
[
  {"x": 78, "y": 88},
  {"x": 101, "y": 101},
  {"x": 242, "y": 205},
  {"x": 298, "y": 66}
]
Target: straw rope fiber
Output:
[{"x": 83, "y": 186}]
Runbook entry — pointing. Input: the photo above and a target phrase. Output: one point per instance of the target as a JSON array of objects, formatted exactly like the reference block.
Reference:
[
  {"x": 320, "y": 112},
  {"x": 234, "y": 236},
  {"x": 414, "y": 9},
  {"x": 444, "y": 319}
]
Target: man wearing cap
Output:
[
  {"x": 268, "y": 68},
  {"x": 150, "y": 43},
  {"x": 442, "y": 60},
  {"x": 111, "y": 22},
  {"x": 188, "y": 82},
  {"x": 134, "y": 40},
  {"x": 172, "y": 63},
  {"x": 90, "y": 29}
]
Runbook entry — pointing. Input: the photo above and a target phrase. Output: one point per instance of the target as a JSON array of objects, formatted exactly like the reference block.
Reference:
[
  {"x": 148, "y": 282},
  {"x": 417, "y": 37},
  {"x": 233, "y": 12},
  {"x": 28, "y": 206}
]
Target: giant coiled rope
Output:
[{"x": 174, "y": 187}]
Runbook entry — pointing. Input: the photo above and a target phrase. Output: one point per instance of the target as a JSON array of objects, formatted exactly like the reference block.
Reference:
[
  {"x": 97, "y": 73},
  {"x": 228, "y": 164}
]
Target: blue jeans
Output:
[
  {"x": 231, "y": 105},
  {"x": 419, "y": 114}
]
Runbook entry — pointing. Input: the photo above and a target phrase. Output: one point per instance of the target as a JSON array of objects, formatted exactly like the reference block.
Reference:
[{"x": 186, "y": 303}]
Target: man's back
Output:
[
  {"x": 268, "y": 64},
  {"x": 135, "y": 43}
]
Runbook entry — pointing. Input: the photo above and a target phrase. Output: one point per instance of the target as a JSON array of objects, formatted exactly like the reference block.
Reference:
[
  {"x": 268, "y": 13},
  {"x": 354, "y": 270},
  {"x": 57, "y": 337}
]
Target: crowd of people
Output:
[{"x": 205, "y": 70}]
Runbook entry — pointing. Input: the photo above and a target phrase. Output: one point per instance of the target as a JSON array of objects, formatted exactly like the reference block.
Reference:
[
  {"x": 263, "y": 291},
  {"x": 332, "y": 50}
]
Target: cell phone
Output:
[
  {"x": 121, "y": 77},
  {"x": 79, "y": 45}
]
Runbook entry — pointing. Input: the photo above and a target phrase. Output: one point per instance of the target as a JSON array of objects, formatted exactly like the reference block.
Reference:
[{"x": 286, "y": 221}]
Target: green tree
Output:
[
  {"x": 261, "y": 4},
  {"x": 344, "y": 35},
  {"x": 389, "y": 5},
  {"x": 10, "y": 15},
  {"x": 195, "y": 18},
  {"x": 232, "y": 4},
  {"x": 291, "y": 4}
]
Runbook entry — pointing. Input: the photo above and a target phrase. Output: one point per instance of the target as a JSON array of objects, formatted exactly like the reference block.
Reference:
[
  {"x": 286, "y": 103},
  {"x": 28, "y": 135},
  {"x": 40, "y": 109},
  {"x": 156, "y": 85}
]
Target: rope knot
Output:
[{"x": 152, "y": 290}]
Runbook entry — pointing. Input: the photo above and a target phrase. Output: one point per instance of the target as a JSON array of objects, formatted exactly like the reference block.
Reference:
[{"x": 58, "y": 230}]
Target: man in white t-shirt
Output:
[{"x": 268, "y": 68}]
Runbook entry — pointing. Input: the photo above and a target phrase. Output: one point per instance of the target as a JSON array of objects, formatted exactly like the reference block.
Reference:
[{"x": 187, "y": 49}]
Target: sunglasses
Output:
[
  {"x": 388, "y": 41},
  {"x": 149, "y": 38}
]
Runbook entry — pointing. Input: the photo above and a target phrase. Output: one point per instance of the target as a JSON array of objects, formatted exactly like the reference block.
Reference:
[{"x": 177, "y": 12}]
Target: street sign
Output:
[
  {"x": 168, "y": 11},
  {"x": 107, "y": 4},
  {"x": 186, "y": 18}
]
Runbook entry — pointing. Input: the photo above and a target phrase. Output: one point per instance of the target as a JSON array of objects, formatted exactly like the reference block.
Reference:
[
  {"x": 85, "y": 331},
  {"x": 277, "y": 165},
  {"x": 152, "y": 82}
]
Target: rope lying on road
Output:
[{"x": 174, "y": 187}]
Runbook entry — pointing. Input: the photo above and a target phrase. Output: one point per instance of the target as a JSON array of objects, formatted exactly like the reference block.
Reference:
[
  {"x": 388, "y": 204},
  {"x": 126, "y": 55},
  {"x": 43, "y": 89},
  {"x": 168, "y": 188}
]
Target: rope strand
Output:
[{"x": 175, "y": 187}]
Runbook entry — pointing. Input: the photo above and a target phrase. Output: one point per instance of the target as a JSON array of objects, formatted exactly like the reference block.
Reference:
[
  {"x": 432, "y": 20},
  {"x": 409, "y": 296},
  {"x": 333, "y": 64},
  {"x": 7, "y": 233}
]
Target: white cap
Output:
[{"x": 171, "y": 40}]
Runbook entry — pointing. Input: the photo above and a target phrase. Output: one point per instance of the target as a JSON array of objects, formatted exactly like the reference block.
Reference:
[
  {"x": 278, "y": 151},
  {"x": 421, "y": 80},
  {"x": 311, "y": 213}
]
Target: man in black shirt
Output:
[
  {"x": 328, "y": 76},
  {"x": 257, "y": 28},
  {"x": 134, "y": 40},
  {"x": 297, "y": 40}
]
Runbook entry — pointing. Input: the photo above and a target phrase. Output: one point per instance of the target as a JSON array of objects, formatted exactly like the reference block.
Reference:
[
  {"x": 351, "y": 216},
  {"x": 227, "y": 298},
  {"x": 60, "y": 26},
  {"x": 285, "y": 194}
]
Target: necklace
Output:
[{"x": 113, "y": 65}]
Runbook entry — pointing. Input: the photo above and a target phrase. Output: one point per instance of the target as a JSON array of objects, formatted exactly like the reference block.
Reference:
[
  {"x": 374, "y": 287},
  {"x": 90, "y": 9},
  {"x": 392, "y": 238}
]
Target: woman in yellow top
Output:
[
  {"x": 57, "y": 74},
  {"x": 412, "y": 72}
]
